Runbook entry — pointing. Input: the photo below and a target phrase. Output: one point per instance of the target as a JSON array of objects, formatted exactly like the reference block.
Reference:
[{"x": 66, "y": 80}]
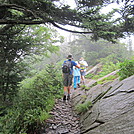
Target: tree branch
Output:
[
  {"x": 17, "y": 7},
  {"x": 54, "y": 24},
  {"x": 3, "y": 21}
]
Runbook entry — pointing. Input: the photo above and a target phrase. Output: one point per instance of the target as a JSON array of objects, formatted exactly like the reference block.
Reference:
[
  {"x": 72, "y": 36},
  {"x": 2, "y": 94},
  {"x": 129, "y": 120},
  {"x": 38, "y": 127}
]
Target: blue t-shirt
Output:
[{"x": 72, "y": 64}]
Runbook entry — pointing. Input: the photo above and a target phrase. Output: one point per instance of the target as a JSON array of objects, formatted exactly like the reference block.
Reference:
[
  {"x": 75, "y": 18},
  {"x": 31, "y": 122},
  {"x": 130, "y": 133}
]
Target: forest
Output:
[{"x": 32, "y": 52}]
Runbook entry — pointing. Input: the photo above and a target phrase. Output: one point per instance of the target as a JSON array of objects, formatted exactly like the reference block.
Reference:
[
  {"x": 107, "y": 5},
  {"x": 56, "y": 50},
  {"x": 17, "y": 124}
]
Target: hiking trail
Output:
[{"x": 64, "y": 120}]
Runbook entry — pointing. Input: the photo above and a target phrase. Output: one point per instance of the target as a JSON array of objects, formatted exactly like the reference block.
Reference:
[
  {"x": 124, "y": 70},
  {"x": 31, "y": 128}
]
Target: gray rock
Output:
[{"x": 113, "y": 112}]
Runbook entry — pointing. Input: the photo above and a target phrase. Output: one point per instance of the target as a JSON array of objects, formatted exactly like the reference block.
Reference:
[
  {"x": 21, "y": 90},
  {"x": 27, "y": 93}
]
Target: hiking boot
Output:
[
  {"x": 64, "y": 98},
  {"x": 78, "y": 85},
  {"x": 68, "y": 97}
]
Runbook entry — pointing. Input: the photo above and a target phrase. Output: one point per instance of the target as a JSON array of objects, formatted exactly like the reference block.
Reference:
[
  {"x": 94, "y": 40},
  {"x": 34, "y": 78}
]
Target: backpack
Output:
[{"x": 66, "y": 68}]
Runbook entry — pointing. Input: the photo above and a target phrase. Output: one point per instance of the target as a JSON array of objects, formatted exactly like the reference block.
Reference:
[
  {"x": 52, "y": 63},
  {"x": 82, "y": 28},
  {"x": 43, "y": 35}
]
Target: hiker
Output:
[
  {"x": 83, "y": 66},
  {"x": 77, "y": 75},
  {"x": 67, "y": 70}
]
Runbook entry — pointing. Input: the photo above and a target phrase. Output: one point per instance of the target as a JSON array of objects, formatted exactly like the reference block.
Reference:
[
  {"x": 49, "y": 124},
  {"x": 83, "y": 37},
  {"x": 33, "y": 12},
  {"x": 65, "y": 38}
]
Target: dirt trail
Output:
[{"x": 64, "y": 120}]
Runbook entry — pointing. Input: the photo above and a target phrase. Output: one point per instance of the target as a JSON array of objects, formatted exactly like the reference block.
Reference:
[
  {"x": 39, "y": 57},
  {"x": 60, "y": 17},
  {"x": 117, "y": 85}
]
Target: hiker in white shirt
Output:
[{"x": 83, "y": 66}]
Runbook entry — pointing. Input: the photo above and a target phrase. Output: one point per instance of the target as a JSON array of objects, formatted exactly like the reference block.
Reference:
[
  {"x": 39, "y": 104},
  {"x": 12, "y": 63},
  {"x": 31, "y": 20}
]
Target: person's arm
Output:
[{"x": 77, "y": 66}]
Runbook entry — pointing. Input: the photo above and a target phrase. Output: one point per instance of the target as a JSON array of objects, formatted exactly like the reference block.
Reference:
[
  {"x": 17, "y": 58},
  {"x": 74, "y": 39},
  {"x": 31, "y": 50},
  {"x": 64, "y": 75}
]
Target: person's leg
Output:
[
  {"x": 75, "y": 82},
  {"x": 78, "y": 78},
  {"x": 65, "y": 83},
  {"x": 82, "y": 77},
  {"x": 68, "y": 90},
  {"x": 65, "y": 90},
  {"x": 70, "y": 78},
  {"x": 65, "y": 93}
]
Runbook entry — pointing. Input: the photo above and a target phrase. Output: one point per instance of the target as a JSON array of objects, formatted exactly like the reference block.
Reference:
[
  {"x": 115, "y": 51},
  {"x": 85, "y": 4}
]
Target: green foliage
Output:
[
  {"x": 89, "y": 76},
  {"x": 16, "y": 45},
  {"x": 16, "y": 13},
  {"x": 82, "y": 108},
  {"x": 82, "y": 87},
  {"x": 107, "y": 79},
  {"x": 34, "y": 101},
  {"x": 114, "y": 58},
  {"x": 106, "y": 69},
  {"x": 96, "y": 52},
  {"x": 126, "y": 69},
  {"x": 86, "y": 15}
]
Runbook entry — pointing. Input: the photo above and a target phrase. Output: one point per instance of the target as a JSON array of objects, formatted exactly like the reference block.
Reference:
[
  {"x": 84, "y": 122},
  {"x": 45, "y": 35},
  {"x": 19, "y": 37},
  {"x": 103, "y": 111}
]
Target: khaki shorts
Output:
[
  {"x": 67, "y": 79},
  {"x": 82, "y": 72}
]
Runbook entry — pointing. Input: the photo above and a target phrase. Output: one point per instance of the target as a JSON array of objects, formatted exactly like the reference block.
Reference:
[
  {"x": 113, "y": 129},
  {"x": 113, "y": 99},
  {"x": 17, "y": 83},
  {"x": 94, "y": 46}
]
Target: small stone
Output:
[{"x": 54, "y": 127}]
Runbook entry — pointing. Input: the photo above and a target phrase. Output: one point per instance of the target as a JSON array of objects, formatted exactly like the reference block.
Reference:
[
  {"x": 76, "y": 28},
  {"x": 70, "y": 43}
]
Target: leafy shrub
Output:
[
  {"x": 106, "y": 69},
  {"x": 126, "y": 69},
  {"x": 34, "y": 101}
]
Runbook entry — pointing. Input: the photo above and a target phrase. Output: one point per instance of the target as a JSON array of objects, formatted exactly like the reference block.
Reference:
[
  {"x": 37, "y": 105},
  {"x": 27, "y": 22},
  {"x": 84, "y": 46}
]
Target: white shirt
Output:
[{"x": 83, "y": 62}]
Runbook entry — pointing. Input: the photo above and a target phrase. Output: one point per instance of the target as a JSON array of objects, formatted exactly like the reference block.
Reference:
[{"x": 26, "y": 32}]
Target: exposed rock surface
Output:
[
  {"x": 113, "y": 107},
  {"x": 94, "y": 70},
  {"x": 112, "y": 111}
]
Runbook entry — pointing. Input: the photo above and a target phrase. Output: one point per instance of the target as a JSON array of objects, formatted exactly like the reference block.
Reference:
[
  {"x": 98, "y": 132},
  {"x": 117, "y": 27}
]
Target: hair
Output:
[
  {"x": 70, "y": 57},
  {"x": 81, "y": 58}
]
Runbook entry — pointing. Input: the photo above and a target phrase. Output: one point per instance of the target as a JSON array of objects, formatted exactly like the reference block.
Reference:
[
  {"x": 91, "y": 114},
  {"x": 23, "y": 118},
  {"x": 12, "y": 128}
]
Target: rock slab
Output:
[{"x": 113, "y": 108}]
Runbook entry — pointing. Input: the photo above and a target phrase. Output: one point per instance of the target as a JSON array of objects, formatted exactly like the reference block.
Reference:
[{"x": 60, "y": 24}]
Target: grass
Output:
[
  {"x": 107, "y": 79},
  {"x": 82, "y": 108}
]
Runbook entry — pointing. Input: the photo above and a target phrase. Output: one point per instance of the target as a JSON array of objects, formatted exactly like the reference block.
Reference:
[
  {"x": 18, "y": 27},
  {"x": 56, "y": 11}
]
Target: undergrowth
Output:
[
  {"x": 126, "y": 69},
  {"x": 36, "y": 97}
]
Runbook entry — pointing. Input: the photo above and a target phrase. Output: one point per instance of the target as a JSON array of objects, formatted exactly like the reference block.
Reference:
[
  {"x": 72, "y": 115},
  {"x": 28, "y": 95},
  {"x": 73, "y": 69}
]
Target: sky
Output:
[{"x": 107, "y": 9}]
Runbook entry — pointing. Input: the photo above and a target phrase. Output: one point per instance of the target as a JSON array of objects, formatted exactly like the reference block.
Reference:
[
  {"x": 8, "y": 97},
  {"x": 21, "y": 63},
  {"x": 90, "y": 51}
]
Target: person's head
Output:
[
  {"x": 81, "y": 58},
  {"x": 70, "y": 57}
]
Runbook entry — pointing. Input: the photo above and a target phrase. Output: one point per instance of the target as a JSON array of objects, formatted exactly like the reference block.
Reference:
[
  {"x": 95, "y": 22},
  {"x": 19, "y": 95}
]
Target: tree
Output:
[
  {"x": 86, "y": 16},
  {"x": 16, "y": 43},
  {"x": 94, "y": 51}
]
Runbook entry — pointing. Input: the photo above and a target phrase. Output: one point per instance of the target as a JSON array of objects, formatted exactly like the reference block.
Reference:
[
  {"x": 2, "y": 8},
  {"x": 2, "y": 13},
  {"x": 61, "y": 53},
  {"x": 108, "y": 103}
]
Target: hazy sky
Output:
[{"x": 105, "y": 10}]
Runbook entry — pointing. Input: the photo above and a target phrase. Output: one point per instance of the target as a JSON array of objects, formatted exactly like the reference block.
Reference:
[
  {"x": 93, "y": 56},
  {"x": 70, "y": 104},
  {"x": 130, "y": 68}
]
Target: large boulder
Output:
[{"x": 113, "y": 108}]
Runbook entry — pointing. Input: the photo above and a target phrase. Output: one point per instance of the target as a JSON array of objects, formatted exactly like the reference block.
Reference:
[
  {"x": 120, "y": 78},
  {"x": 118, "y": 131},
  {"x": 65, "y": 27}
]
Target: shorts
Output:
[
  {"x": 82, "y": 72},
  {"x": 67, "y": 79}
]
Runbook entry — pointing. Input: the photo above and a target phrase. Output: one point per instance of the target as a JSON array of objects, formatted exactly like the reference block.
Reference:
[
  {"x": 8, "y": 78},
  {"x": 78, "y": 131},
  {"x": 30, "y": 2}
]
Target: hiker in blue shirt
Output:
[
  {"x": 68, "y": 76},
  {"x": 77, "y": 75}
]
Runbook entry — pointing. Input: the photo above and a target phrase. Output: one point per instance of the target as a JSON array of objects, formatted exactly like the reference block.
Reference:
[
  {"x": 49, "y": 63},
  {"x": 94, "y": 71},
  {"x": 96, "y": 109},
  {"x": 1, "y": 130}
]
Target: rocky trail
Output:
[
  {"x": 64, "y": 120},
  {"x": 113, "y": 104}
]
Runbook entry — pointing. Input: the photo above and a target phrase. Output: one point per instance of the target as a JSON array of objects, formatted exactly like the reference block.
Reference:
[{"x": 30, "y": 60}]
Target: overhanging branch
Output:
[
  {"x": 3, "y": 21},
  {"x": 29, "y": 22},
  {"x": 17, "y": 7},
  {"x": 54, "y": 24}
]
